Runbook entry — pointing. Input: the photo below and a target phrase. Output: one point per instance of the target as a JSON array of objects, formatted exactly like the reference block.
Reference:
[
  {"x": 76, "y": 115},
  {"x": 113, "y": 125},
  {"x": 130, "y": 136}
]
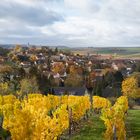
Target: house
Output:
[
  {"x": 98, "y": 72},
  {"x": 114, "y": 66},
  {"x": 25, "y": 64},
  {"x": 79, "y": 91}
]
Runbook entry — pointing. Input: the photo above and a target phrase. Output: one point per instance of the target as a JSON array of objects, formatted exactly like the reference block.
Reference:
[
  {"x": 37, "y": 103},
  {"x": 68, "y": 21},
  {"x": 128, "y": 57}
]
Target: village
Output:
[{"x": 55, "y": 71}]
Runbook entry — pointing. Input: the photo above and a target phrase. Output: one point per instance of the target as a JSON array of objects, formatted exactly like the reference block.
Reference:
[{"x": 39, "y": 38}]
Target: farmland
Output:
[{"x": 125, "y": 52}]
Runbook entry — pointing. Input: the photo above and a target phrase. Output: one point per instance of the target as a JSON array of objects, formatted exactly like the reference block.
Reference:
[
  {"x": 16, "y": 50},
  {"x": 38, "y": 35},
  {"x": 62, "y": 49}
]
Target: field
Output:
[{"x": 122, "y": 52}]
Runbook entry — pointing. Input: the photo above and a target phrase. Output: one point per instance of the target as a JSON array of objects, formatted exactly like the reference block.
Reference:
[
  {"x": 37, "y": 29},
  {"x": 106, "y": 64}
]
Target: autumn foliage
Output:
[
  {"x": 130, "y": 87},
  {"x": 39, "y": 117}
]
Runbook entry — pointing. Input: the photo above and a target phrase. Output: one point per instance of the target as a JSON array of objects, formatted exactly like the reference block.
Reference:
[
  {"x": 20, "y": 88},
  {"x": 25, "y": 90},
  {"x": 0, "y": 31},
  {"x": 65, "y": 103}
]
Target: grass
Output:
[
  {"x": 91, "y": 130},
  {"x": 133, "y": 125},
  {"x": 94, "y": 128}
]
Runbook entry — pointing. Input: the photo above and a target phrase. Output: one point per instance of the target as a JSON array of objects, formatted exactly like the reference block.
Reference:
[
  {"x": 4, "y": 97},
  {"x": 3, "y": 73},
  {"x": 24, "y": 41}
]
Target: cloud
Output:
[
  {"x": 71, "y": 22},
  {"x": 28, "y": 14}
]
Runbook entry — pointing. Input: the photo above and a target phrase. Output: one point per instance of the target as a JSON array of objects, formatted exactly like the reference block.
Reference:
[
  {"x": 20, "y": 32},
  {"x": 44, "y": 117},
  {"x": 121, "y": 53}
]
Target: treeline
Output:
[{"x": 4, "y": 51}]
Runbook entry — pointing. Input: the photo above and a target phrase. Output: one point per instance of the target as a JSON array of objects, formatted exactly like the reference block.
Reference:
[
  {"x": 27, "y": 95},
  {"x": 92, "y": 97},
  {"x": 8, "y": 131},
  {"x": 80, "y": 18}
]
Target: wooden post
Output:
[
  {"x": 114, "y": 133},
  {"x": 70, "y": 121},
  {"x": 91, "y": 102},
  {"x": 1, "y": 121},
  {"x": 86, "y": 115}
]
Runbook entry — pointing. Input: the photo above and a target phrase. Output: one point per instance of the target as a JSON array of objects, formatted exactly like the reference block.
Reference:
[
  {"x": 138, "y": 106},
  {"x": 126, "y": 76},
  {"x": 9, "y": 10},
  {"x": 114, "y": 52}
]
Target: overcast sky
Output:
[{"x": 70, "y": 22}]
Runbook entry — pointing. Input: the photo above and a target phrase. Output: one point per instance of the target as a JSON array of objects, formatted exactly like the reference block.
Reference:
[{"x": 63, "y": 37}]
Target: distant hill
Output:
[
  {"x": 53, "y": 47},
  {"x": 7, "y": 46},
  {"x": 59, "y": 47}
]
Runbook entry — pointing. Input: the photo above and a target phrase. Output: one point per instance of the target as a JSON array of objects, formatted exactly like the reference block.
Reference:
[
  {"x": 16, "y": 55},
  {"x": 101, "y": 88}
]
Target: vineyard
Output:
[{"x": 39, "y": 117}]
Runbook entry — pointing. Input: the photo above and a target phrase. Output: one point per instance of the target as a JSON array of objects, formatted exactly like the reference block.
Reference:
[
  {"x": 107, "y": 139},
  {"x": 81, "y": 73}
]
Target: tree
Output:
[
  {"x": 33, "y": 71},
  {"x": 44, "y": 83},
  {"x": 76, "y": 70},
  {"x": 58, "y": 68},
  {"x": 33, "y": 58},
  {"x": 28, "y": 86},
  {"x": 4, "y": 88},
  {"x": 90, "y": 81},
  {"x": 137, "y": 67},
  {"x": 97, "y": 65},
  {"x": 17, "y": 48},
  {"x": 74, "y": 80},
  {"x": 56, "y": 50},
  {"x": 15, "y": 58},
  {"x": 137, "y": 76},
  {"x": 130, "y": 87},
  {"x": 98, "y": 89},
  {"x": 11, "y": 76},
  {"x": 49, "y": 63},
  {"x": 14, "y": 86},
  {"x": 5, "y": 72},
  {"x": 118, "y": 76},
  {"x": 21, "y": 72},
  {"x": 4, "y": 51},
  {"x": 109, "y": 78}
]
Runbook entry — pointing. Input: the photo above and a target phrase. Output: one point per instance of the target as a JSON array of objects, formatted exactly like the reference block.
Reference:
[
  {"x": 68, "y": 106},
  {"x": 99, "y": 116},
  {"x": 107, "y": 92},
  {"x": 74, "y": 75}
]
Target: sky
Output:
[{"x": 73, "y": 23}]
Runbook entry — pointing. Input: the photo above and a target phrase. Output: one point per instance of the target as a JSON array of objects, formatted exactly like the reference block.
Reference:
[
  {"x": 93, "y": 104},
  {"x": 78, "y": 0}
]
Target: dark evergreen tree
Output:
[
  {"x": 118, "y": 77},
  {"x": 56, "y": 50}
]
